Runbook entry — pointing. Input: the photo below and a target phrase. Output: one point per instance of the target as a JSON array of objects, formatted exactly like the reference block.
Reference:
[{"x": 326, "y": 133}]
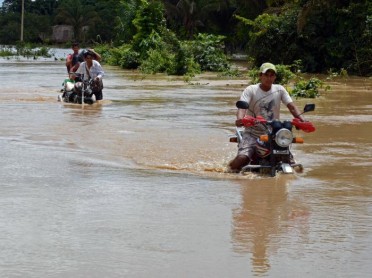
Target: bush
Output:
[
  {"x": 307, "y": 88},
  {"x": 165, "y": 53},
  {"x": 158, "y": 60},
  {"x": 6, "y": 52},
  {"x": 154, "y": 48},
  {"x": 104, "y": 50},
  {"x": 186, "y": 63},
  {"x": 207, "y": 50},
  {"x": 323, "y": 34},
  {"x": 43, "y": 51},
  {"x": 129, "y": 59},
  {"x": 123, "y": 56}
]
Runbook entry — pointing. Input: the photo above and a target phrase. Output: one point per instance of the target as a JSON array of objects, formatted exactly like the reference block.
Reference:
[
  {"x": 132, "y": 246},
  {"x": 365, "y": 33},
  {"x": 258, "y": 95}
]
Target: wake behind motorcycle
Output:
[
  {"x": 77, "y": 92},
  {"x": 273, "y": 149}
]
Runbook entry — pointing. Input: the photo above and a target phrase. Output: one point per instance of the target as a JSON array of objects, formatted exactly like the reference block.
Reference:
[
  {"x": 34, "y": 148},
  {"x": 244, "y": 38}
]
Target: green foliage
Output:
[
  {"x": 124, "y": 27},
  {"x": 208, "y": 52},
  {"x": 10, "y": 28},
  {"x": 4, "y": 52},
  {"x": 152, "y": 41},
  {"x": 332, "y": 74},
  {"x": 156, "y": 49},
  {"x": 104, "y": 51},
  {"x": 149, "y": 21},
  {"x": 42, "y": 51},
  {"x": 189, "y": 17},
  {"x": 191, "y": 67},
  {"x": 338, "y": 37},
  {"x": 123, "y": 56},
  {"x": 231, "y": 72},
  {"x": 307, "y": 88},
  {"x": 130, "y": 59},
  {"x": 272, "y": 38},
  {"x": 26, "y": 50},
  {"x": 322, "y": 34},
  {"x": 101, "y": 28},
  {"x": 158, "y": 60},
  {"x": 36, "y": 27},
  {"x": 284, "y": 74}
]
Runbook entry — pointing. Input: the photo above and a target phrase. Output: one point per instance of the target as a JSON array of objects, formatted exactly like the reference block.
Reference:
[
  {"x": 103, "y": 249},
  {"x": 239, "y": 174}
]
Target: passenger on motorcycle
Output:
[
  {"x": 91, "y": 69},
  {"x": 74, "y": 59},
  {"x": 264, "y": 100}
]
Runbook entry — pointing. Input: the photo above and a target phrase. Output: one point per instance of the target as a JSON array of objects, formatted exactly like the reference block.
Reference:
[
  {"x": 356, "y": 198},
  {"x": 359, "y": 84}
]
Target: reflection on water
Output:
[
  {"x": 84, "y": 112},
  {"x": 264, "y": 217}
]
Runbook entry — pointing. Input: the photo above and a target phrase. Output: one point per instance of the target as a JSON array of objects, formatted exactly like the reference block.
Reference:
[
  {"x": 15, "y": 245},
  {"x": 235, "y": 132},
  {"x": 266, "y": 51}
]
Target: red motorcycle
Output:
[{"x": 272, "y": 153}]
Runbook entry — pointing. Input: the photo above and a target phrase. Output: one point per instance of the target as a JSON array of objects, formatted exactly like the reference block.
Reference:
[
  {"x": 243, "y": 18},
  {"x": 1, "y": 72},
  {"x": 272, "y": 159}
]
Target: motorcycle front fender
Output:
[{"x": 287, "y": 168}]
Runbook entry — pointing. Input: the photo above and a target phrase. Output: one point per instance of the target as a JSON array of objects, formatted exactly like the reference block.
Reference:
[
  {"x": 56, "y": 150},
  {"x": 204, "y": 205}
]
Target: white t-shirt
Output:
[
  {"x": 265, "y": 104},
  {"x": 94, "y": 71}
]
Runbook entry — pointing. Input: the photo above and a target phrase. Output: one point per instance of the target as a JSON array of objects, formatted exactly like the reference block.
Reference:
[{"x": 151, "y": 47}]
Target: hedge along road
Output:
[{"x": 136, "y": 187}]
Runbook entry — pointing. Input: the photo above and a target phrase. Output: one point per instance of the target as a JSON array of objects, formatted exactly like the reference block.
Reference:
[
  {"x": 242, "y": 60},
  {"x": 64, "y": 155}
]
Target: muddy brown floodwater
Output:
[{"x": 135, "y": 186}]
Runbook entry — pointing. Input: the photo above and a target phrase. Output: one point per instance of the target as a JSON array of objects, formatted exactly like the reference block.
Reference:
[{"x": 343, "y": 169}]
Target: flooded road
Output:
[{"x": 135, "y": 187}]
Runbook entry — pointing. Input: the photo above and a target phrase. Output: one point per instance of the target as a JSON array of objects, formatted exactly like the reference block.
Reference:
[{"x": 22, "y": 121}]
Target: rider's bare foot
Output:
[{"x": 238, "y": 163}]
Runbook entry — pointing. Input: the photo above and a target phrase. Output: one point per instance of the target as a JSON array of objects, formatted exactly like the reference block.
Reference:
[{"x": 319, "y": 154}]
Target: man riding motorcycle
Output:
[{"x": 264, "y": 100}]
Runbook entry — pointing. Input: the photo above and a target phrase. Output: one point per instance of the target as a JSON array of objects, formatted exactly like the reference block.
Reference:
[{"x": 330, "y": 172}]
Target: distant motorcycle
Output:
[
  {"x": 76, "y": 90},
  {"x": 272, "y": 153}
]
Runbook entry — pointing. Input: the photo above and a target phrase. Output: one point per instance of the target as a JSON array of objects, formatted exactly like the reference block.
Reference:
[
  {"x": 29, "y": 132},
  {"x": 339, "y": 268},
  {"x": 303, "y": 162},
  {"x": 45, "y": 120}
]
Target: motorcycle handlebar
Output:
[
  {"x": 304, "y": 126},
  {"x": 249, "y": 121}
]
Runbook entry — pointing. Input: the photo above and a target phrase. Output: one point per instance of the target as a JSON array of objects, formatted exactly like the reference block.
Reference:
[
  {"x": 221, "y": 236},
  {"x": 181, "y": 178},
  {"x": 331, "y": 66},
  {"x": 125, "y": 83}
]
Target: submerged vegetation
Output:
[
  {"x": 25, "y": 50},
  {"x": 307, "y": 88}
]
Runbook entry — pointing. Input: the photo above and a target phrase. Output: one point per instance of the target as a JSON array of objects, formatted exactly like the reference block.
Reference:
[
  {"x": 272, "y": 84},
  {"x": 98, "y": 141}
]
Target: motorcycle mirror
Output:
[
  {"x": 309, "y": 107},
  {"x": 242, "y": 104}
]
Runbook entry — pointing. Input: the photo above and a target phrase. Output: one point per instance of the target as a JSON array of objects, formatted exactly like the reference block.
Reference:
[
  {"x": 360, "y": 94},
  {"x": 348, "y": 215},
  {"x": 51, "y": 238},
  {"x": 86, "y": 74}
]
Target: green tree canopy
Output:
[{"x": 323, "y": 34}]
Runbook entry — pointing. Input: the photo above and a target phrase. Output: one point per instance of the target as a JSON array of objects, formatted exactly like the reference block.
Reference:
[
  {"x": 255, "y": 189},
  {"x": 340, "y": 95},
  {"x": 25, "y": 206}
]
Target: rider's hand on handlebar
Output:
[
  {"x": 305, "y": 126},
  {"x": 301, "y": 118},
  {"x": 239, "y": 122}
]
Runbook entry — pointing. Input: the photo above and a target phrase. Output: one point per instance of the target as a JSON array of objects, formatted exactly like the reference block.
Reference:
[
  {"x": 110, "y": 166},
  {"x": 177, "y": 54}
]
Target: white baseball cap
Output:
[{"x": 267, "y": 66}]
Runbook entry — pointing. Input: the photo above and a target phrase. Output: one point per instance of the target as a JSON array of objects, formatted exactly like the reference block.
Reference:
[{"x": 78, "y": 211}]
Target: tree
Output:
[
  {"x": 12, "y": 6},
  {"x": 192, "y": 14},
  {"x": 79, "y": 16},
  {"x": 107, "y": 11},
  {"x": 250, "y": 8},
  {"x": 149, "y": 19},
  {"x": 124, "y": 27},
  {"x": 10, "y": 28},
  {"x": 38, "y": 18},
  {"x": 324, "y": 35}
]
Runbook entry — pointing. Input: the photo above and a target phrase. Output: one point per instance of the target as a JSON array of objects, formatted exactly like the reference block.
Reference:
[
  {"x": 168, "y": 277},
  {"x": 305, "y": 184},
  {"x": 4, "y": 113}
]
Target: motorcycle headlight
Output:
[{"x": 283, "y": 137}]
